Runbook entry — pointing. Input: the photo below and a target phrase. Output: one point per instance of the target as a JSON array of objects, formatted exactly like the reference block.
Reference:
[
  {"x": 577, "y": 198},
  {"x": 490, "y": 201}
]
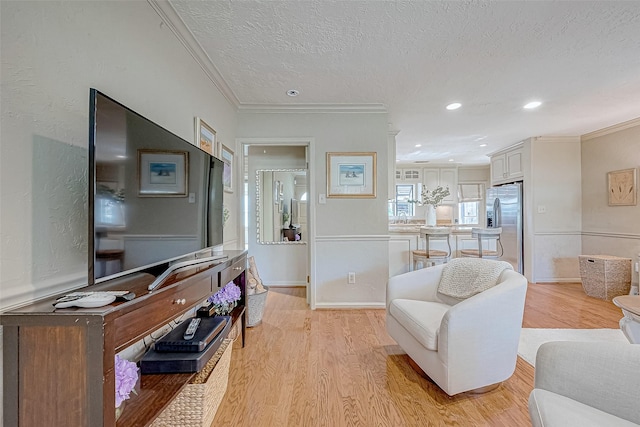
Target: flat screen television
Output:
[{"x": 154, "y": 198}]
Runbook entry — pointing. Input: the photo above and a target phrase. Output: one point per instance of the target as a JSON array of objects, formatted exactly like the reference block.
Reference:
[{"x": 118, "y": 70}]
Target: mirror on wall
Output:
[{"x": 281, "y": 206}]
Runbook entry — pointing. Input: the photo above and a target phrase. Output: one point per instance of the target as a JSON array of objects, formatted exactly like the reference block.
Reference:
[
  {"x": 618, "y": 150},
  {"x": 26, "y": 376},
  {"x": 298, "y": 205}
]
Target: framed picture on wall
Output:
[
  {"x": 205, "y": 137},
  {"x": 226, "y": 155},
  {"x": 163, "y": 173},
  {"x": 351, "y": 175},
  {"x": 621, "y": 186}
]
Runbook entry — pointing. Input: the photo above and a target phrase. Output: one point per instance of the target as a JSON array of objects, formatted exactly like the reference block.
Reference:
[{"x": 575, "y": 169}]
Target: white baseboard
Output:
[
  {"x": 350, "y": 305},
  {"x": 286, "y": 284}
]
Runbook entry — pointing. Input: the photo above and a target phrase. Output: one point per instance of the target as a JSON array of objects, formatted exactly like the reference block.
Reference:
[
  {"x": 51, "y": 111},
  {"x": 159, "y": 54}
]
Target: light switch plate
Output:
[{"x": 322, "y": 199}]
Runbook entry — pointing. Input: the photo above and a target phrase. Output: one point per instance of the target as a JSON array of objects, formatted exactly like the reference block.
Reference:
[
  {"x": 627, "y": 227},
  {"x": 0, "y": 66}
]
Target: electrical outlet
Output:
[
  {"x": 352, "y": 278},
  {"x": 542, "y": 209}
]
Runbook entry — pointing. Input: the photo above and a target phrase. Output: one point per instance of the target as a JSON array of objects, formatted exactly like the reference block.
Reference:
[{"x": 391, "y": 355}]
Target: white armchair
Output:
[
  {"x": 586, "y": 384},
  {"x": 461, "y": 345}
]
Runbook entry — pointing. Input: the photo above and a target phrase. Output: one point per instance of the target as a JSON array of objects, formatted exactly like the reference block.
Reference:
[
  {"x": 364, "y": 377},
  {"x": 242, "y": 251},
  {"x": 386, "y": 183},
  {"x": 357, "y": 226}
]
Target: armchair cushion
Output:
[
  {"x": 421, "y": 319},
  {"x": 465, "y": 277}
]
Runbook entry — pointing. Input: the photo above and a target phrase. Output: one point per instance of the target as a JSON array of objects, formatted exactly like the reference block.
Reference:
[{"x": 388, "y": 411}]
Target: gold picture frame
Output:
[
  {"x": 352, "y": 175},
  {"x": 205, "y": 137},
  {"x": 227, "y": 156},
  {"x": 622, "y": 187}
]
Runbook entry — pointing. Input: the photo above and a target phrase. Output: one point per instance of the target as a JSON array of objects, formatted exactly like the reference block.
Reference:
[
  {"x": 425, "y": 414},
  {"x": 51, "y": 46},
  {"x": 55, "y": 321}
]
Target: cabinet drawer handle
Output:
[
  {"x": 237, "y": 268},
  {"x": 179, "y": 301}
]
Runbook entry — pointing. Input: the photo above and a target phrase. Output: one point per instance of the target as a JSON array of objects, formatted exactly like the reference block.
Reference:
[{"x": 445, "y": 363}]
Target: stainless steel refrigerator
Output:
[{"x": 504, "y": 209}]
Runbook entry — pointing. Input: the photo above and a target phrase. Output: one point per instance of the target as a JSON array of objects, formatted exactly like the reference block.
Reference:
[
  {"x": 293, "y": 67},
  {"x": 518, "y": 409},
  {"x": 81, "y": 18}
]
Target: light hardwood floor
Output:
[{"x": 340, "y": 368}]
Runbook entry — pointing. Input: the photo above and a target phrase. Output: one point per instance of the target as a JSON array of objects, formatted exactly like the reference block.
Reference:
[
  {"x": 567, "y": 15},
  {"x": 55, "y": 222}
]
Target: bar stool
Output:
[
  {"x": 488, "y": 234},
  {"x": 428, "y": 255}
]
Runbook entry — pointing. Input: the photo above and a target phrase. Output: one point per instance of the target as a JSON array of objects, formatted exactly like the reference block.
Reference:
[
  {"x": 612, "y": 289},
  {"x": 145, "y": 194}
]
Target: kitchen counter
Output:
[{"x": 415, "y": 228}]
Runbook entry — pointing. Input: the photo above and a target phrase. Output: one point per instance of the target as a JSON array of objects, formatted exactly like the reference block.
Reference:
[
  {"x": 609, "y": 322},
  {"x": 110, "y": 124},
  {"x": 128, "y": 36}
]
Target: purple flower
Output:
[
  {"x": 227, "y": 295},
  {"x": 126, "y": 379}
]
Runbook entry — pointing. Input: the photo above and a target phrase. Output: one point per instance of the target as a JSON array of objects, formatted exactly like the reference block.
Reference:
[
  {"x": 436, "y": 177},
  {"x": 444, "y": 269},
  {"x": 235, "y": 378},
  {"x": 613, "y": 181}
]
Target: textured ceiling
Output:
[{"x": 581, "y": 59}]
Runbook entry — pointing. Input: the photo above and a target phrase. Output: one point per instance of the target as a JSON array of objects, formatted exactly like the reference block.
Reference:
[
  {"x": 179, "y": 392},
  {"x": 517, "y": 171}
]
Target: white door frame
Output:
[{"x": 309, "y": 143}]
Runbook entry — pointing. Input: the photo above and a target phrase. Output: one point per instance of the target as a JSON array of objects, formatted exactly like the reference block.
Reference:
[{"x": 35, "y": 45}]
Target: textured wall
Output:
[{"x": 52, "y": 53}]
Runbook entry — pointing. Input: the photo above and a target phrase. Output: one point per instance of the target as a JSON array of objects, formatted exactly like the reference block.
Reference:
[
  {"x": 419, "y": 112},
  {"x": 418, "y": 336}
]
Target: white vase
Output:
[{"x": 431, "y": 216}]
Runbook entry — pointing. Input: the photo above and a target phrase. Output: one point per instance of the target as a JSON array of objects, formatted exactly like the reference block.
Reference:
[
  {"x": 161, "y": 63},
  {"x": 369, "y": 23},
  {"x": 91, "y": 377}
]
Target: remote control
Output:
[
  {"x": 126, "y": 297},
  {"x": 191, "y": 329},
  {"x": 88, "y": 301}
]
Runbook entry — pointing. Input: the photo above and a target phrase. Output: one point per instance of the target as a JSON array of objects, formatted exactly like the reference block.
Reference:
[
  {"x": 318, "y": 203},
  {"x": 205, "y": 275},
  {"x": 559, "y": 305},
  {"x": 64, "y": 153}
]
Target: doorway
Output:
[{"x": 279, "y": 229}]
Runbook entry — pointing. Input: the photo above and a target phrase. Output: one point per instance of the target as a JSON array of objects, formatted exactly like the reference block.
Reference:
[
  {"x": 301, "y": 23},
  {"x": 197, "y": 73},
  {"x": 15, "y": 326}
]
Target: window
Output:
[
  {"x": 471, "y": 203},
  {"x": 402, "y": 206}
]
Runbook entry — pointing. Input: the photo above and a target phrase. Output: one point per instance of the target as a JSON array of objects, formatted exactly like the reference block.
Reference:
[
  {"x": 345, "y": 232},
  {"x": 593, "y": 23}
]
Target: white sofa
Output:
[
  {"x": 586, "y": 384},
  {"x": 461, "y": 345}
]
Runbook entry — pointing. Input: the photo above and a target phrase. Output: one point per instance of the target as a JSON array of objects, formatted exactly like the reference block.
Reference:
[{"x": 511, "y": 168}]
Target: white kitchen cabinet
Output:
[
  {"x": 444, "y": 177},
  {"x": 408, "y": 174},
  {"x": 507, "y": 166}
]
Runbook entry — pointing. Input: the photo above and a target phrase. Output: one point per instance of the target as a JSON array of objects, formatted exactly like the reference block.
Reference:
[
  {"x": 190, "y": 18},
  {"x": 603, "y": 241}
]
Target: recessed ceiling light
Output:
[
  {"x": 483, "y": 145},
  {"x": 293, "y": 92},
  {"x": 418, "y": 145},
  {"x": 532, "y": 105},
  {"x": 454, "y": 106},
  {"x": 451, "y": 160}
]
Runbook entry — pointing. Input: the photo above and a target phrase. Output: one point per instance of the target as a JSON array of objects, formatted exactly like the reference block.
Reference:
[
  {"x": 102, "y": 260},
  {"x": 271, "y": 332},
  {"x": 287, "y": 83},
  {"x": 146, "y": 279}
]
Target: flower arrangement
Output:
[
  {"x": 225, "y": 299},
  {"x": 434, "y": 197},
  {"x": 126, "y": 379}
]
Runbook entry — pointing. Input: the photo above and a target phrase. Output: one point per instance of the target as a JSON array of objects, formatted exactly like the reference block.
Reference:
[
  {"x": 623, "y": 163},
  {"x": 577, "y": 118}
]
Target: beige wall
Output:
[
  {"x": 610, "y": 230},
  {"x": 553, "y": 211},
  {"x": 346, "y": 235},
  {"x": 52, "y": 53}
]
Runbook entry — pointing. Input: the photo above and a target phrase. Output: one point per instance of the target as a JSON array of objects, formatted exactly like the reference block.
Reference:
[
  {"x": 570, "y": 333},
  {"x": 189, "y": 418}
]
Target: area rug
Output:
[{"x": 531, "y": 339}]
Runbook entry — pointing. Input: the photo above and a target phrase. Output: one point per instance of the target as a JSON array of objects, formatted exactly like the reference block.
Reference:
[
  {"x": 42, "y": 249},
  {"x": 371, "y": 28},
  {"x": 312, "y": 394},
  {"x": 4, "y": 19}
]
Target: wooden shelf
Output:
[
  {"x": 76, "y": 347},
  {"x": 158, "y": 390}
]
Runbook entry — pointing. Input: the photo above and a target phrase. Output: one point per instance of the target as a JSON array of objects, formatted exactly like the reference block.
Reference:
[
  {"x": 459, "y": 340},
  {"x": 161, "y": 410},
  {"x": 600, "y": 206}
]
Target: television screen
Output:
[{"x": 153, "y": 197}]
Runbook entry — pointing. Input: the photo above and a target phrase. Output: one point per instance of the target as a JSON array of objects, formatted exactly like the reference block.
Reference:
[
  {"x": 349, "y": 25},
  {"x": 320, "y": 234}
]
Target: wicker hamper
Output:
[
  {"x": 605, "y": 276},
  {"x": 197, "y": 403},
  {"x": 255, "y": 307}
]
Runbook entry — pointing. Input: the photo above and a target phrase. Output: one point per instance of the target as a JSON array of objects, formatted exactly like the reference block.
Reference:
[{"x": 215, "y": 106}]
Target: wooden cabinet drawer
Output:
[
  {"x": 162, "y": 308},
  {"x": 233, "y": 271}
]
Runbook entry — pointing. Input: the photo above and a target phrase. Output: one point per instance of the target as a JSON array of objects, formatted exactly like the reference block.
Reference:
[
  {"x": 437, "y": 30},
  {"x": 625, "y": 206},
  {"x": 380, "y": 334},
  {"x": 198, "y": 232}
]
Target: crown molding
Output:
[
  {"x": 611, "y": 129},
  {"x": 170, "y": 17},
  {"x": 557, "y": 138},
  {"x": 177, "y": 26},
  {"x": 313, "y": 108}
]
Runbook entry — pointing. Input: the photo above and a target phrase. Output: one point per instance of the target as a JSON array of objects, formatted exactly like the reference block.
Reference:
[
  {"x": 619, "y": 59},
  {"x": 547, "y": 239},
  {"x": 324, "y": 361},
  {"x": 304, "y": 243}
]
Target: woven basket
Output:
[
  {"x": 197, "y": 403},
  {"x": 255, "y": 307}
]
